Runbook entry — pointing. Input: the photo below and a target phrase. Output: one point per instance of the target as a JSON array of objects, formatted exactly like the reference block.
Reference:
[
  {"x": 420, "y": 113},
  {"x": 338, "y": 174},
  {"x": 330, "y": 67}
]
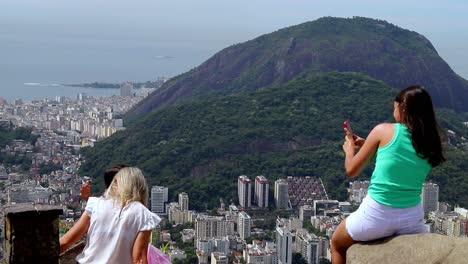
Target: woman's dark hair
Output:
[
  {"x": 417, "y": 112},
  {"x": 109, "y": 174}
]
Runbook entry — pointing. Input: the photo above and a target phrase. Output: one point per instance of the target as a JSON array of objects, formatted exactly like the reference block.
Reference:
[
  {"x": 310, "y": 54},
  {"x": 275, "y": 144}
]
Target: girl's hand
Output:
[
  {"x": 358, "y": 141},
  {"x": 85, "y": 190},
  {"x": 349, "y": 146}
]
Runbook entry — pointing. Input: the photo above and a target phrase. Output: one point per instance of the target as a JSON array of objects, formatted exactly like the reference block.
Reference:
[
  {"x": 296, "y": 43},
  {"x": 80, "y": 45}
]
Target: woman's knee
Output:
[{"x": 341, "y": 240}]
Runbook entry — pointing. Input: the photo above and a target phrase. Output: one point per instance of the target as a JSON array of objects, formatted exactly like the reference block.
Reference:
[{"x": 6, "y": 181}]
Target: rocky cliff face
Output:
[
  {"x": 376, "y": 48},
  {"x": 422, "y": 248}
]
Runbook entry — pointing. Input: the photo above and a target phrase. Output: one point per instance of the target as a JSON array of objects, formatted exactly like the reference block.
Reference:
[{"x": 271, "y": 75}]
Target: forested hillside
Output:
[{"x": 201, "y": 147}]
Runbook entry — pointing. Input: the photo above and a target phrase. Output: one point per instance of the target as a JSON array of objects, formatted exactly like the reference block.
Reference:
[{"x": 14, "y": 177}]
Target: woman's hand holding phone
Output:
[{"x": 358, "y": 141}]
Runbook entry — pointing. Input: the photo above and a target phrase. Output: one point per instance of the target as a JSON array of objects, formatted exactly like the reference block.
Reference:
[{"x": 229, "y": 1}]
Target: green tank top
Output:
[{"x": 399, "y": 172}]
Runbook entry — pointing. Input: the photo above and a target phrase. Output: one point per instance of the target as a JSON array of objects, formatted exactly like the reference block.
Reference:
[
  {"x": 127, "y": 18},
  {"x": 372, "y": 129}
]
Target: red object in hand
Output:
[{"x": 347, "y": 125}]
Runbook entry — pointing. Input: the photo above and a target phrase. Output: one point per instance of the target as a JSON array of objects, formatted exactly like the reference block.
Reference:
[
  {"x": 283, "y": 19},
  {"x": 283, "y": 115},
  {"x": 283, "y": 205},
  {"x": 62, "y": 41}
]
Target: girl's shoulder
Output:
[
  {"x": 385, "y": 126},
  {"x": 137, "y": 206},
  {"x": 383, "y": 130},
  {"x": 140, "y": 211},
  {"x": 383, "y": 133}
]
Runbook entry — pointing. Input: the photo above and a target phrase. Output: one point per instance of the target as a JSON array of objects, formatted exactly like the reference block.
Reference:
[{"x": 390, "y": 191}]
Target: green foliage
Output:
[
  {"x": 309, "y": 227},
  {"x": 10, "y": 160},
  {"x": 324, "y": 261},
  {"x": 24, "y": 133},
  {"x": 46, "y": 168},
  {"x": 298, "y": 259},
  {"x": 293, "y": 129},
  {"x": 6, "y": 136}
]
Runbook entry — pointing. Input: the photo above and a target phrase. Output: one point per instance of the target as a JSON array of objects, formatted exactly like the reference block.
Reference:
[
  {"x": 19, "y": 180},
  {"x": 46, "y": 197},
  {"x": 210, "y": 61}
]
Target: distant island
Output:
[{"x": 106, "y": 85}]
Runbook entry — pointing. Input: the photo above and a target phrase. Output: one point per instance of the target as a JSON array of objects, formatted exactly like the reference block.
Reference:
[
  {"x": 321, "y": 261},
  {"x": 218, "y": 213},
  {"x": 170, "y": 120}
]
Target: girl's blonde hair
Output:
[{"x": 129, "y": 185}]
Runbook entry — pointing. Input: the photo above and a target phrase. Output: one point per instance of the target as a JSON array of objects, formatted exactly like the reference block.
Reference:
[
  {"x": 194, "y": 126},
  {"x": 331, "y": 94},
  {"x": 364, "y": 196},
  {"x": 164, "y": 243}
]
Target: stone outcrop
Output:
[
  {"x": 69, "y": 256},
  {"x": 421, "y": 248},
  {"x": 31, "y": 233}
]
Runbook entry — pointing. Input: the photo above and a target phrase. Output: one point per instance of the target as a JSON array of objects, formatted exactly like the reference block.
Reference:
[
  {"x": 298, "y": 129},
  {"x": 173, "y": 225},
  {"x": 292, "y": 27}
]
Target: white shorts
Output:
[{"x": 373, "y": 220}]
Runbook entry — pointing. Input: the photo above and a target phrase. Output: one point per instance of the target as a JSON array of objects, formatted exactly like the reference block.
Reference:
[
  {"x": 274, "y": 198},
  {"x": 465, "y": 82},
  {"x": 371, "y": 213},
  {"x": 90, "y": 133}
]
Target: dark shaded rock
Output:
[
  {"x": 31, "y": 233},
  {"x": 421, "y": 248}
]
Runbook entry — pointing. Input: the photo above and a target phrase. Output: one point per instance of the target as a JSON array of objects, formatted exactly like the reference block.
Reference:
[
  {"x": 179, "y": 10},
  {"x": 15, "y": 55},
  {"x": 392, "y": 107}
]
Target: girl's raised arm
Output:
[{"x": 75, "y": 233}]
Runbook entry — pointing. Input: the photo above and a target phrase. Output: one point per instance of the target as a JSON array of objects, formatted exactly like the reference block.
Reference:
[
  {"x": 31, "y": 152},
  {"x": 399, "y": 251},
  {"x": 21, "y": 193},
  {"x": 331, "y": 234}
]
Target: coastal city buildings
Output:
[
  {"x": 183, "y": 201},
  {"x": 260, "y": 252},
  {"x": 261, "y": 191},
  {"x": 219, "y": 258},
  {"x": 284, "y": 243},
  {"x": 326, "y": 207},
  {"x": 281, "y": 194},
  {"x": 178, "y": 212},
  {"x": 85, "y": 119},
  {"x": 309, "y": 247},
  {"x": 305, "y": 190},
  {"x": 126, "y": 89},
  {"x": 357, "y": 191},
  {"x": 207, "y": 227},
  {"x": 243, "y": 225},
  {"x": 430, "y": 197},
  {"x": 244, "y": 190},
  {"x": 305, "y": 212},
  {"x": 159, "y": 198}
]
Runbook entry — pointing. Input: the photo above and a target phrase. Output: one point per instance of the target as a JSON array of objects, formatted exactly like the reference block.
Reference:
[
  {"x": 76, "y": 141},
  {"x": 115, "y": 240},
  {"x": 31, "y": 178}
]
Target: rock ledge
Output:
[{"x": 421, "y": 248}]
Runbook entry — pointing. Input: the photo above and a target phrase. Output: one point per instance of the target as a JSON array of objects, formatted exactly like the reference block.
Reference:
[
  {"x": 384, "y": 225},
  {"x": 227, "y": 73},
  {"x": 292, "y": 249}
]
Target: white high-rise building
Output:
[
  {"x": 244, "y": 189},
  {"x": 261, "y": 191},
  {"x": 260, "y": 252},
  {"x": 219, "y": 258},
  {"x": 321, "y": 207},
  {"x": 284, "y": 245},
  {"x": 243, "y": 225},
  {"x": 207, "y": 227},
  {"x": 159, "y": 198},
  {"x": 281, "y": 194},
  {"x": 126, "y": 89},
  {"x": 309, "y": 247},
  {"x": 183, "y": 201},
  {"x": 430, "y": 197},
  {"x": 305, "y": 212}
]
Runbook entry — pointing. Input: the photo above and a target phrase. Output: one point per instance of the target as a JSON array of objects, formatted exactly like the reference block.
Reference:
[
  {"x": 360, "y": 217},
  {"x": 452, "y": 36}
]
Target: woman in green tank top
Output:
[{"x": 406, "y": 151}]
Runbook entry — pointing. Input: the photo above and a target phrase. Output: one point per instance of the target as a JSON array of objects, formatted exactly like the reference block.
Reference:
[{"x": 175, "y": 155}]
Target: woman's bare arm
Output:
[
  {"x": 75, "y": 233},
  {"x": 356, "y": 162},
  {"x": 140, "y": 247}
]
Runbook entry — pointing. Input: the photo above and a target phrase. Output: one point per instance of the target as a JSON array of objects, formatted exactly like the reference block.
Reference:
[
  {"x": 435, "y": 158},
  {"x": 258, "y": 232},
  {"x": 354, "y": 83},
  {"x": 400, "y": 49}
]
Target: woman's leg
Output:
[{"x": 340, "y": 243}]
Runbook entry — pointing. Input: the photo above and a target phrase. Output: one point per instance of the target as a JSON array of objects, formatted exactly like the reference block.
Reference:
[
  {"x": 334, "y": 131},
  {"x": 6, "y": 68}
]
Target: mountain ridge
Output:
[{"x": 376, "y": 48}]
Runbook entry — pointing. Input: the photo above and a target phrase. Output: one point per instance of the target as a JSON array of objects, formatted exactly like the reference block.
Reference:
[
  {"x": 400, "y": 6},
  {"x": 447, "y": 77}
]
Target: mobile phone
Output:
[{"x": 347, "y": 125}]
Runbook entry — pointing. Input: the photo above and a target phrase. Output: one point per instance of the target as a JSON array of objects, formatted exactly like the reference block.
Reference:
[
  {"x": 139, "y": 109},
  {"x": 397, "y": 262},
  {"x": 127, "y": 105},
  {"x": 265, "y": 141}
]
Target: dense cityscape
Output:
[
  {"x": 44, "y": 169},
  {"x": 273, "y": 222},
  {"x": 233, "y": 132}
]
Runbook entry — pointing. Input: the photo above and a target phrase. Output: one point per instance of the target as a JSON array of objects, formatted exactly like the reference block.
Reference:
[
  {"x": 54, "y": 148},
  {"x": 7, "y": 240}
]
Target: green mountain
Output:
[
  {"x": 383, "y": 51},
  {"x": 292, "y": 129}
]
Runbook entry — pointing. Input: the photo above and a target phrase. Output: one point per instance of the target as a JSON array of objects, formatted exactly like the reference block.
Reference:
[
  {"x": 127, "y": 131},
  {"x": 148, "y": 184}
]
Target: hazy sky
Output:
[{"x": 33, "y": 32}]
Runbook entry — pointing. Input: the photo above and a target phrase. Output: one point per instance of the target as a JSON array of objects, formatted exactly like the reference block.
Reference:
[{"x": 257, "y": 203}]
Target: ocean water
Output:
[
  {"x": 42, "y": 79},
  {"x": 35, "y": 67}
]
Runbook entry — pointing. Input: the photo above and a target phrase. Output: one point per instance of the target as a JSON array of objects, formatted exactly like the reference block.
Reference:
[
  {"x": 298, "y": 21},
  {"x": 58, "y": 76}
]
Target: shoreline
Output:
[{"x": 97, "y": 85}]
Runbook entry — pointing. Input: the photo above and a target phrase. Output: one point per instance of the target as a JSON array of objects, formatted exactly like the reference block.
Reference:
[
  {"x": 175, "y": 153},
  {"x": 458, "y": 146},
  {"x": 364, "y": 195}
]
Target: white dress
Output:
[{"x": 112, "y": 232}]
